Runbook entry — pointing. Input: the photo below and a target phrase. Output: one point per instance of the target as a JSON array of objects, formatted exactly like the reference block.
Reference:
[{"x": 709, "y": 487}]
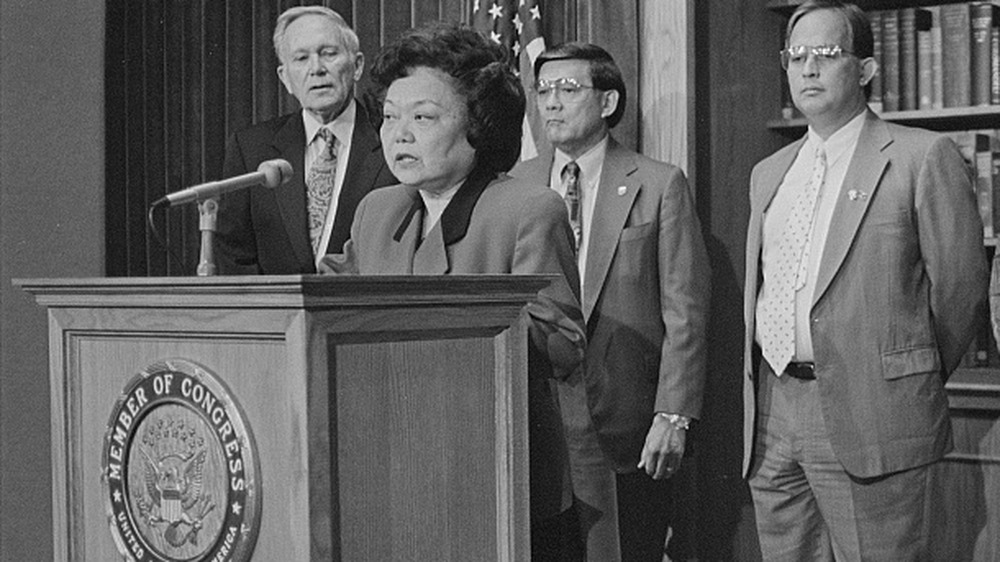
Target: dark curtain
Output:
[{"x": 182, "y": 75}]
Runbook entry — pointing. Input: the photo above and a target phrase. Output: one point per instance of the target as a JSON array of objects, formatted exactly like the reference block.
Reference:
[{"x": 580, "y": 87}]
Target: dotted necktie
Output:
[
  {"x": 571, "y": 183},
  {"x": 776, "y": 322},
  {"x": 319, "y": 187}
]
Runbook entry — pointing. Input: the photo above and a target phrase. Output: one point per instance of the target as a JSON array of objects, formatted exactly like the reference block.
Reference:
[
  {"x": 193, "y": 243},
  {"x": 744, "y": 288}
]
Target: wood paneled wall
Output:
[{"x": 735, "y": 88}]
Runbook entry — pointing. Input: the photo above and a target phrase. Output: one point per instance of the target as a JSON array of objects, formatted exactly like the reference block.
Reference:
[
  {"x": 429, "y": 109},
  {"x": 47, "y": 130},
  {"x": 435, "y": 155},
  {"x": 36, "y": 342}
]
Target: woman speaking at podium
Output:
[{"x": 452, "y": 115}]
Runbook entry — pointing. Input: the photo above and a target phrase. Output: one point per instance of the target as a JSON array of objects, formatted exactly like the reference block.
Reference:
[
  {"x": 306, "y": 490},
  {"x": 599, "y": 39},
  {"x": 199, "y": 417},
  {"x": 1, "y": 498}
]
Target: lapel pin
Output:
[
  {"x": 855, "y": 194},
  {"x": 622, "y": 189}
]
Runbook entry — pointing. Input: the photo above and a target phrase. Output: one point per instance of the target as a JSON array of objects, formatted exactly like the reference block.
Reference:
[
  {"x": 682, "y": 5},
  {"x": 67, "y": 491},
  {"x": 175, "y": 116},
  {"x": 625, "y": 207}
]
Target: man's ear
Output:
[
  {"x": 359, "y": 65},
  {"x": 609, "y": 103},
  {"x": 284, "y": 78},
  {"x": 868, "y": 69}
]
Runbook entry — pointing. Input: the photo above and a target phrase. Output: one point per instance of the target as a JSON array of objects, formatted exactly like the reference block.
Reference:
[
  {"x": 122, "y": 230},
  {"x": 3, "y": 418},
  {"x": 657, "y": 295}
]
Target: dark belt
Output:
[{"x": 804, "y": 371}]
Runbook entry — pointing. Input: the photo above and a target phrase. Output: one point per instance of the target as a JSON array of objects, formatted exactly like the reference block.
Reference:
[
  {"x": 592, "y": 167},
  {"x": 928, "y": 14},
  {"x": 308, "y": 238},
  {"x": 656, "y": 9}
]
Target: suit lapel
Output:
[
  {"x": 772, "y": 176},
  {"x": 863, "y": 176},
  {"x": 291, "y": 198},
  {"x": 764, "y": 185},
  {"x": 407, "y": 234},
  {"x": 611, "y": 210},
  {"x": 432, "y": 257},
  {"x": 363, "y": 165},
  {"x": 761, "y": 194}
]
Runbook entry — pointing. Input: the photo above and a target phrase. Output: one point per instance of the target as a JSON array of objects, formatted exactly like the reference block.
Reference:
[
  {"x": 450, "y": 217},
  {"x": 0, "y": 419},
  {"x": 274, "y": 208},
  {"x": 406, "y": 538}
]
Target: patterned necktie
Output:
[
  {"x": 571, "y": 183},
  {"x": 319, "y": 187},
  {"x": 776, "y": 322}
]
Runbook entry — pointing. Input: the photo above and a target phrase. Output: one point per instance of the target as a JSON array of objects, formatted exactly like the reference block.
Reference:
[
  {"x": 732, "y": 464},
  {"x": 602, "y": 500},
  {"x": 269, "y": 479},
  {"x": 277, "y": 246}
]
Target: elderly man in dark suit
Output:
[
  {"x": 332, "y": 146},
  {"x": 645, "y": 300},
  {"x": 865, "y": 276}
]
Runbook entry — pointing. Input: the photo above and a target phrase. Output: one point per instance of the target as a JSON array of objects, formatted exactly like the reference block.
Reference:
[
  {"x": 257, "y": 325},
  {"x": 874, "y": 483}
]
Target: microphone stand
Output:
[{"x": 207, "y": 212}]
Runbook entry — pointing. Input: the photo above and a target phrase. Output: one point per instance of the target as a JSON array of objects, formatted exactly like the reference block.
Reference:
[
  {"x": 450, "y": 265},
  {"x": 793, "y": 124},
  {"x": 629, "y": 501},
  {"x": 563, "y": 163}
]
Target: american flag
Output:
[{"x": 517, "y": 24}]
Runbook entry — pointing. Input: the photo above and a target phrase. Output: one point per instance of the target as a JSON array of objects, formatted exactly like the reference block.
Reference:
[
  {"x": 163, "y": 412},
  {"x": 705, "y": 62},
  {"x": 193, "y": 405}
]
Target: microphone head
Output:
[{"x": 276, "y": 172}]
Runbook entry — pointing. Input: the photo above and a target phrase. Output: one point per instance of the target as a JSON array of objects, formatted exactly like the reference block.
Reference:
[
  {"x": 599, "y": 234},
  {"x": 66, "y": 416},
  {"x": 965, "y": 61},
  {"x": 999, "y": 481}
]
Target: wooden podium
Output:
[{"x": 289, "y": 418}]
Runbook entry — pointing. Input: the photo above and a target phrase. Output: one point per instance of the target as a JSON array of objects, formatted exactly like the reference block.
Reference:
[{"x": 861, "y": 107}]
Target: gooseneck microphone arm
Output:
[{"x": 270, "y": 173}]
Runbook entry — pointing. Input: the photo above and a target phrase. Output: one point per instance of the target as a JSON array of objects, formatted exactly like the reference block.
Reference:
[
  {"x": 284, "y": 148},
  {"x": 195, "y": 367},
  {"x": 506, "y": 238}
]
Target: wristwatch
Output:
[{"x": 676, "y": 420}]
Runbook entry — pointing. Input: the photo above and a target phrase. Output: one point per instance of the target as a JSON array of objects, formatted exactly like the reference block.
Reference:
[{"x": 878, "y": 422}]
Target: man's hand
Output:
[{"x": 664, "y": 449}]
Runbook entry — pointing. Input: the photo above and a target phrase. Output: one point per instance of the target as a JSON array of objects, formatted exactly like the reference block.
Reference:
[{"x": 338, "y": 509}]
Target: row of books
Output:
[
  {"x": 936, "y": 57},
  {"x": 981, "y": 150}
]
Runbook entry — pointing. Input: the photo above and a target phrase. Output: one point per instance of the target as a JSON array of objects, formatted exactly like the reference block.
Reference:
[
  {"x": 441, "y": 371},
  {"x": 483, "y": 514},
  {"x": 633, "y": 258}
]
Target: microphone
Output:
[{"x": 270, "y": 173}]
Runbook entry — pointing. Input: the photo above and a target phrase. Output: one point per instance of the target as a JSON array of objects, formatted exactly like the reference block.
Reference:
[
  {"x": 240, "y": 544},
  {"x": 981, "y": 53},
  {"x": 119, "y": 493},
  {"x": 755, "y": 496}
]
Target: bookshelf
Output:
[
  {"x": 786, "y": 7},
  {"x": 950, "y": 114},
  {"x": 945, "y": 119},
  {"x": 975, "y": 389}
]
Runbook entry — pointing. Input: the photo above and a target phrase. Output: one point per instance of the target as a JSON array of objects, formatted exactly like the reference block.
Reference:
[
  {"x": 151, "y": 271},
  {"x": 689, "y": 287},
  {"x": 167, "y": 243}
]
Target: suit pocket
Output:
[
  {"x": 639, "y": 231},
  {"x": 914, "y": 361},
  {"x": 891, "y": 218}
]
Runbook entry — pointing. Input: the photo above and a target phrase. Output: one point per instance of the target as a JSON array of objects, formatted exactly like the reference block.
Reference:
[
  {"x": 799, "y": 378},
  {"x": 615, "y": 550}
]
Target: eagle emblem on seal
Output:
[
  {"x": 174, "y": 497},
  {"x": 180, "y": 469}
]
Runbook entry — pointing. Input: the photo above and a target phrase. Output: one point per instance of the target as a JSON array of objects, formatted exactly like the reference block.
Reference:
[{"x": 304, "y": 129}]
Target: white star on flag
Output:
[{"x": 517, "y": 25}]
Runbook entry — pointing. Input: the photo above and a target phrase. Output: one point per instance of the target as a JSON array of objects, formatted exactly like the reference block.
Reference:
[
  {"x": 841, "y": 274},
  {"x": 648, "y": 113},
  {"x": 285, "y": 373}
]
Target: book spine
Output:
[
  {"x": 984, "y": 184},
  {"x": 995, "y": 65},
  {"x": 875, "y": 98},
  {"x": 955, "y": 54},
  {"x": 788, "y": 111},
  {"x": 907, "y": 59},
  {"x": 925, "y": 71},
  {"x": 995, "y": 179},
  {"x": 890, "y": 60},
  {"x": 937, "y": 99},
  {"x": 982, "y": 21}
]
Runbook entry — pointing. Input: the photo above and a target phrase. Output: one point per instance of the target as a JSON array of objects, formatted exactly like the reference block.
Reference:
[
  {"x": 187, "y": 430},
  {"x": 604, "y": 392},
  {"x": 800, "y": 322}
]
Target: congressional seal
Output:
[{"x": 181, "y": 473}]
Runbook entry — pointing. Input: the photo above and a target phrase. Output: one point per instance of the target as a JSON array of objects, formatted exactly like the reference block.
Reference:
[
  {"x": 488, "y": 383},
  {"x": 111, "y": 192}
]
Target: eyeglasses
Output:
[
  {"x": 796, "y": 55},
  {"x": 566, "y": 89}
]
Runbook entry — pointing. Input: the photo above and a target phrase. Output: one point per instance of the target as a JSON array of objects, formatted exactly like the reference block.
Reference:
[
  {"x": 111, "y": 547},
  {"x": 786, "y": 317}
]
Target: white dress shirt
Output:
[
  {"x": 435, "y": 204},
  {"x": 591, "y": 165},
  {"x": 839, "y": 149}
]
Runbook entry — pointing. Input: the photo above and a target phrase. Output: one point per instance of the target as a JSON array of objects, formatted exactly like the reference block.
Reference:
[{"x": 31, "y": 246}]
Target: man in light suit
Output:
[
  {"x": 645, "y": 300},
  {"x": 865, "y": 276},
  {"x": 267, "y": 231}
]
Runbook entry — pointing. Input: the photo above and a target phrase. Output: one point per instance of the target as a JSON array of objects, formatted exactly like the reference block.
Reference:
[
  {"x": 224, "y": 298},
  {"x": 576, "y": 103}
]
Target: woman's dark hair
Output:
[
  {"x": 494, "y": 96},
  {"x": 604, "y": 72}
]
